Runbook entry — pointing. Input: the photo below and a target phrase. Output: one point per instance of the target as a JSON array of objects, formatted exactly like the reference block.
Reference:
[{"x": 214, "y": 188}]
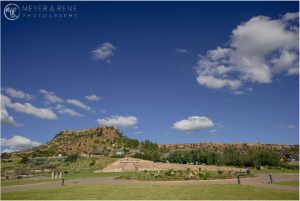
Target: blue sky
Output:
[{"x": 171, "y": 72}]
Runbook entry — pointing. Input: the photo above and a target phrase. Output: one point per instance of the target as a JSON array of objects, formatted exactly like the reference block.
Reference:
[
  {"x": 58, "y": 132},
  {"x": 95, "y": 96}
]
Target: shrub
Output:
[
  {"x": 92, "y": 163},
  {"x": 220, "y": 172},
  {"x": 72, "y": 158},
  {"x": 24, "y": 160},
  {"x": 5, "y": 155}
]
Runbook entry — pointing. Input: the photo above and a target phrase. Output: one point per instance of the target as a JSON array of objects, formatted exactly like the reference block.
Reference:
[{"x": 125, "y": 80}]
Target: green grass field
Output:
[
  {"x": 274, "y": 171},
  {"x": 68, "y": 176},
  {"x": 142, "y": 192},
  {"x": 289, "y": 183},
  {"x": 23, "y": 182}
]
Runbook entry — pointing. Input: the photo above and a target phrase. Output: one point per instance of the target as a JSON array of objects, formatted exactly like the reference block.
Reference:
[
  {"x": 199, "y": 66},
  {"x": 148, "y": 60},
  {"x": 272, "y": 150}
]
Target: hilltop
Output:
[{"x": 101, "y": 140}]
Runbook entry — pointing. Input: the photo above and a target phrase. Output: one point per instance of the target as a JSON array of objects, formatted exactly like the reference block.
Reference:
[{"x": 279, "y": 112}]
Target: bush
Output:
[
  {"x": 92, "y": 163},
  {"x": 5, "y": 155},
  {"x": 24, "y": 160},
  {"x": 220, "y": 172},
  {"x": 72, "y": 158}
]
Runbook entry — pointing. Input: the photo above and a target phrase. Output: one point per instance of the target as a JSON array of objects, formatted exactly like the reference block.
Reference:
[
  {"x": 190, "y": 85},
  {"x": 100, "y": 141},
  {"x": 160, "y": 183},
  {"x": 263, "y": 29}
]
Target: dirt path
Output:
[{"x": 259, "y": 181}]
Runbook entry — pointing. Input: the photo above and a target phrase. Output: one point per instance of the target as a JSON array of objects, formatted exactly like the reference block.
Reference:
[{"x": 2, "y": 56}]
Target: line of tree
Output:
[{"x": 231, "y": 156}]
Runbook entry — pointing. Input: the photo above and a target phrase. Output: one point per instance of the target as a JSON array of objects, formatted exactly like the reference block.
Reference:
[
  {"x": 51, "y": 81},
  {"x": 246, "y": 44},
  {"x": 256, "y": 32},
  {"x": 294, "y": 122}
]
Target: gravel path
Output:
[{"x": 259, "y": 181}]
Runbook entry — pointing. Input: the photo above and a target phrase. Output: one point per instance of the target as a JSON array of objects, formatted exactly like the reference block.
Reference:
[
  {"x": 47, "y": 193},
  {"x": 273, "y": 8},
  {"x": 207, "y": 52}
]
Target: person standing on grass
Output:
[{"x": 63, "y": 181}]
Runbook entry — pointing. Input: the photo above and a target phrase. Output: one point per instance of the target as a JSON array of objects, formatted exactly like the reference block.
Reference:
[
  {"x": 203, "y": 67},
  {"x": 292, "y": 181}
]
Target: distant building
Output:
[
  {"x": 119, "y": 153},
  {"x": 96, "y": 152}
]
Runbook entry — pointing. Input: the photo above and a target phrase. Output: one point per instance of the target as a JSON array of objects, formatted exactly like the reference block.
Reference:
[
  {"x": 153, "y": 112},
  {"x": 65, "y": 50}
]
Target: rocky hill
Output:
[{"x": 99, "y": 140}]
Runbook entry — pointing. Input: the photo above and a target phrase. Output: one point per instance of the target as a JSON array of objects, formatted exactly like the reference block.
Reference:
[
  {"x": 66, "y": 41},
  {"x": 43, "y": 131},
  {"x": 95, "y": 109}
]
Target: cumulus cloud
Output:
[
  {"x": 93, "y": 97},
  {"x": 104, "y": 52},
  {"x": 27, "y": 108},
  {"x": 6, "y": 119},
  {"x": 122, "y": 121},
  {"x": 216, "y": 83},
  {"x": 79, "y": 104},
  {"x": 63, "y": 110},
  {"x": 193, "y": 123},
  {"x": 51, "y": 97},
  {"x": 181, "y": 51},
  {"x": 17, "y": 143},
  {"x": 259, "y": 49},
  {"x": 14, "y": 93}
]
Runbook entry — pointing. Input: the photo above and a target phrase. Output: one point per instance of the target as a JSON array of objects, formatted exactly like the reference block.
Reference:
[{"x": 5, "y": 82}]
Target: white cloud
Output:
[
  {"x": 17, "y": 143},
  {"x": 122, "y": 121},
  {"x": 51, "y": 97},
  {"x": 4, "y": 101},
  {"x": 290, "y": 16},
  {"x": 216, "y": 83},
  {"x": 181, "y": 51},
  {"x": 218, "y": 53},
  {"x": 27, "y": 108},
  {"x": 79, "y": 104},
  {"x": 104, "y": 52},
  {"x": 93, "y": 97},
  {"x": 14, "y": 93},
  {"x": 5, "y": 117},
  {"x": 293, "y": 71},
  {"x": 259, "y": 49},
  {"x": 193, "y": 123},
  {"x": 63, "y": 110}
]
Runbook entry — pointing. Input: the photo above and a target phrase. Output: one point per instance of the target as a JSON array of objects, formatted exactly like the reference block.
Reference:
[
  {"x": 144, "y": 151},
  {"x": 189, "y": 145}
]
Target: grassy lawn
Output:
[
  {"x": 274, "y": 171},
  {"x": 134, "y": 192},
  {"x": 23, "y": 181},
  {"x": 68, "y": 176},
  {"x": 289, "y": 183}
]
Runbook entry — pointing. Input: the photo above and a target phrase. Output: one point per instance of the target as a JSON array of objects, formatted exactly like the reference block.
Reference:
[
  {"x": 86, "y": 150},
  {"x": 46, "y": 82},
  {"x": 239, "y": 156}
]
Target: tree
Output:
[
  {"x": 149, "y": 151},
  {"x": 232, "y": 156},
  {"x": 72, "y": 158},
  {"x": 24, "y": 159},
  {"x": 5, "y": 155}
]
